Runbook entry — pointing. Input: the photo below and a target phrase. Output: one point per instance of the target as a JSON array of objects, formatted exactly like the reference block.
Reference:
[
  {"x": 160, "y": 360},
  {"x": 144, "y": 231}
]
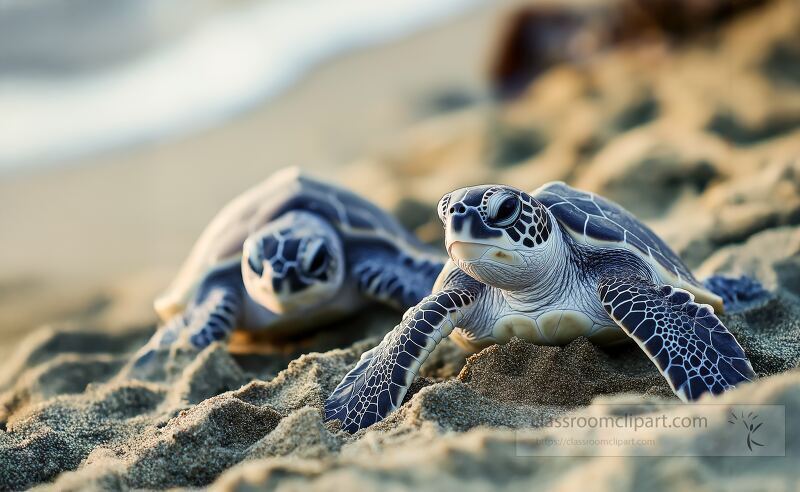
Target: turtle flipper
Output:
[
  {"x": 215, "y": 318},
  {"x": 211, "y": 317},
  {"x": 401, "y": 282},
  {"x": 379, "y": 381},
  {"x": 736, "y": 292},
  {"x": 690, "y": 346}
]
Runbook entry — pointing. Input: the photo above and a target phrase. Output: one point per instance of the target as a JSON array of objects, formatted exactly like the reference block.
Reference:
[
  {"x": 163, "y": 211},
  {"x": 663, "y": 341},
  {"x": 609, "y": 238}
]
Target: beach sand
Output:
[
  {"x": 86, "y": 234},
  {"x": 701, "y": 138}
]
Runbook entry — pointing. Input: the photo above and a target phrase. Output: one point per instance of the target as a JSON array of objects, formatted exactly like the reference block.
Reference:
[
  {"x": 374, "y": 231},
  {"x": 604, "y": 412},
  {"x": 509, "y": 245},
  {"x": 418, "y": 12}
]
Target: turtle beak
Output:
[
  {"x": 462, "y": 247},
  {"x": 467, "y": 251}
]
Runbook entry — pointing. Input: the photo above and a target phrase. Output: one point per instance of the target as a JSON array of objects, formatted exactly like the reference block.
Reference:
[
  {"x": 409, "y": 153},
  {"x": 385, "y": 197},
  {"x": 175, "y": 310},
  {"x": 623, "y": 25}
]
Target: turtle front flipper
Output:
[
  {"x": 377, "y": 384},
  {"x": 690, "y": 346},
  {"x": 400, "y": 281},
  {"x": 210, "y": 317}
]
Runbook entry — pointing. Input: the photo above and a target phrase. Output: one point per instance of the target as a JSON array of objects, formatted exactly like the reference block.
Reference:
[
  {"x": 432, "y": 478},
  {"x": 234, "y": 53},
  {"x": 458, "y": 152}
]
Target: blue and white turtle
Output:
[
  {"x": 548, "y": 267},
  {"x": 290, "y": 254}
]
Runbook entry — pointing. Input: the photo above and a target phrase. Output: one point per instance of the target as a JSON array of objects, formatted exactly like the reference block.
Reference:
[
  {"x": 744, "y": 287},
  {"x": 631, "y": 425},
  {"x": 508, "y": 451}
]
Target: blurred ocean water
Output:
[{"x": 85, "y": 76}]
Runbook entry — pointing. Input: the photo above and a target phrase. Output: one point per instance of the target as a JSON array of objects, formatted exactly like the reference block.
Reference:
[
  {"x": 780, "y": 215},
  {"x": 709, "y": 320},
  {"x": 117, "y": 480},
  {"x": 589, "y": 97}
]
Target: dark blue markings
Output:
[
  {"x": 290, "y": 248},
  {"x": 394, "y": 279},
  {"x": 291, "y": 277},
  {"x": 640, "y": 245},
  {"x": 654, "y": 346},
  {"x": 477, "y": 228},
  {"x": 145, "y": 358},
  {"x": 405, "y": 359},
  {"x": 384, "y": 406},
  {"x": 604, "y": 230},
  {"x": 255, "y": 258},
  {"x": 696, "y": 387},
  {"x": 432, "y": 317},
  {"x": 737, "y": 292},
  {"x": 399, "y": 374},
  {"x": 697, "y": 354},
  {"x": 199, "y": 340},
  {"x": 680, "y": 297},
  {"x": 569, "y": 215},
  {"x": 587, "y": 205},
  {"x": 724, "y": 343},
  {"x": 473, "y": 197},
  {"x": 359, "y": 221},
  {"x": 378, "y": 382},
  {"x": 645, "y": 329},
  {"x": 622, "y": 306},
  {"x": 637, "y": 234},
  {"x": 419, "y": 336}
]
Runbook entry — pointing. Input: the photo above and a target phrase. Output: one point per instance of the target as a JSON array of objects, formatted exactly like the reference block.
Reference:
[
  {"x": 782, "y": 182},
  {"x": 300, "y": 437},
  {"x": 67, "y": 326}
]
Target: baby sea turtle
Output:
[
  {"x": 548, "y": 267},
  {"x": 292, "y": 253}
]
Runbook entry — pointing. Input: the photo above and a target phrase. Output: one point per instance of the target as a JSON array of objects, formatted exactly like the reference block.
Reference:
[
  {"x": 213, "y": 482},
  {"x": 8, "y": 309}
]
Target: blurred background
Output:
[{"x": 125, "y": 125}]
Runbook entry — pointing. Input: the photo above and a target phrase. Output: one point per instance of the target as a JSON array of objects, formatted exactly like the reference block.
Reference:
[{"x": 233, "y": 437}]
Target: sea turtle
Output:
[
  {"x": 292, "y": 253},
  {"x": 548, "y": 267}
]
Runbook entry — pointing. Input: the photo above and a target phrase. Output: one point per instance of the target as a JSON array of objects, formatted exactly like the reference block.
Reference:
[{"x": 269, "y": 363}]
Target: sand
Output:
[
  {"x": 683, "y": 134},
  {"x": 100, "y": 237}
]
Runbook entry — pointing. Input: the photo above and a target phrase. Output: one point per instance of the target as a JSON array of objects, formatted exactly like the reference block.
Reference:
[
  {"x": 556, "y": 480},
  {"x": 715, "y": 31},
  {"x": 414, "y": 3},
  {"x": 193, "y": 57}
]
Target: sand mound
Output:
[
  {"x": 524, "y": 373},
  {"x": 188, "y": 430},
  {"x": 489, "y": 458}
]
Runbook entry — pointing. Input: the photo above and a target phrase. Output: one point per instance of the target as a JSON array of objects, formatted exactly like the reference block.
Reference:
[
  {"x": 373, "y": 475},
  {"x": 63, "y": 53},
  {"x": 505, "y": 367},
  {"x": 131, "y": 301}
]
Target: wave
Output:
[{"x": 227, "y": 64}]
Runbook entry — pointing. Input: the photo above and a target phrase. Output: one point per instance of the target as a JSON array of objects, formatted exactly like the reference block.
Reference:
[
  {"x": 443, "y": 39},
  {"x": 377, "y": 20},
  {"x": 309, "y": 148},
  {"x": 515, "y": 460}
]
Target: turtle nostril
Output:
[{"x": 458, "y": 208}]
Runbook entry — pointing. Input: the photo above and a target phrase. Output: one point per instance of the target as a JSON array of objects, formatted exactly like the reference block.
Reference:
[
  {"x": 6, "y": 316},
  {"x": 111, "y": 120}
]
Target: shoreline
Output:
[{"x": 124, "y": 221}]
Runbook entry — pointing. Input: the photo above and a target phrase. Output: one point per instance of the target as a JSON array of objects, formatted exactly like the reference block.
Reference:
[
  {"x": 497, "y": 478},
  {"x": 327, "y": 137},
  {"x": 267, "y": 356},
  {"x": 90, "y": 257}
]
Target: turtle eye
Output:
[
  {"x": 505, "y": 210},
  {"x": 315, "y": 263}
]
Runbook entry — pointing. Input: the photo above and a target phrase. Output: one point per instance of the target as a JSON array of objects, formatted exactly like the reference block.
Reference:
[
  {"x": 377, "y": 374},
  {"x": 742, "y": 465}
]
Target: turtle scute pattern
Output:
[
  {"x": 377, "y": 384},
  {"x": 687, "y": 342},
  {"x": 597, "y": 218}
]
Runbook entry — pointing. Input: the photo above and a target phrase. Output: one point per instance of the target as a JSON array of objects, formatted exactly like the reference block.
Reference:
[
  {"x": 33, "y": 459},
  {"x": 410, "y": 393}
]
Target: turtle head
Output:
[
  {"x": 293, "y": 263},
  {"x": 496, "y": 234}
]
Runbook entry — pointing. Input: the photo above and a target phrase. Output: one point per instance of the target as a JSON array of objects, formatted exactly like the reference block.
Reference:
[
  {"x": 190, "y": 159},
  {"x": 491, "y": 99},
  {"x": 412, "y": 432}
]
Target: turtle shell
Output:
[
  {"x": 594, "y": 220},
  {"x": 220, "y": 244}
]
